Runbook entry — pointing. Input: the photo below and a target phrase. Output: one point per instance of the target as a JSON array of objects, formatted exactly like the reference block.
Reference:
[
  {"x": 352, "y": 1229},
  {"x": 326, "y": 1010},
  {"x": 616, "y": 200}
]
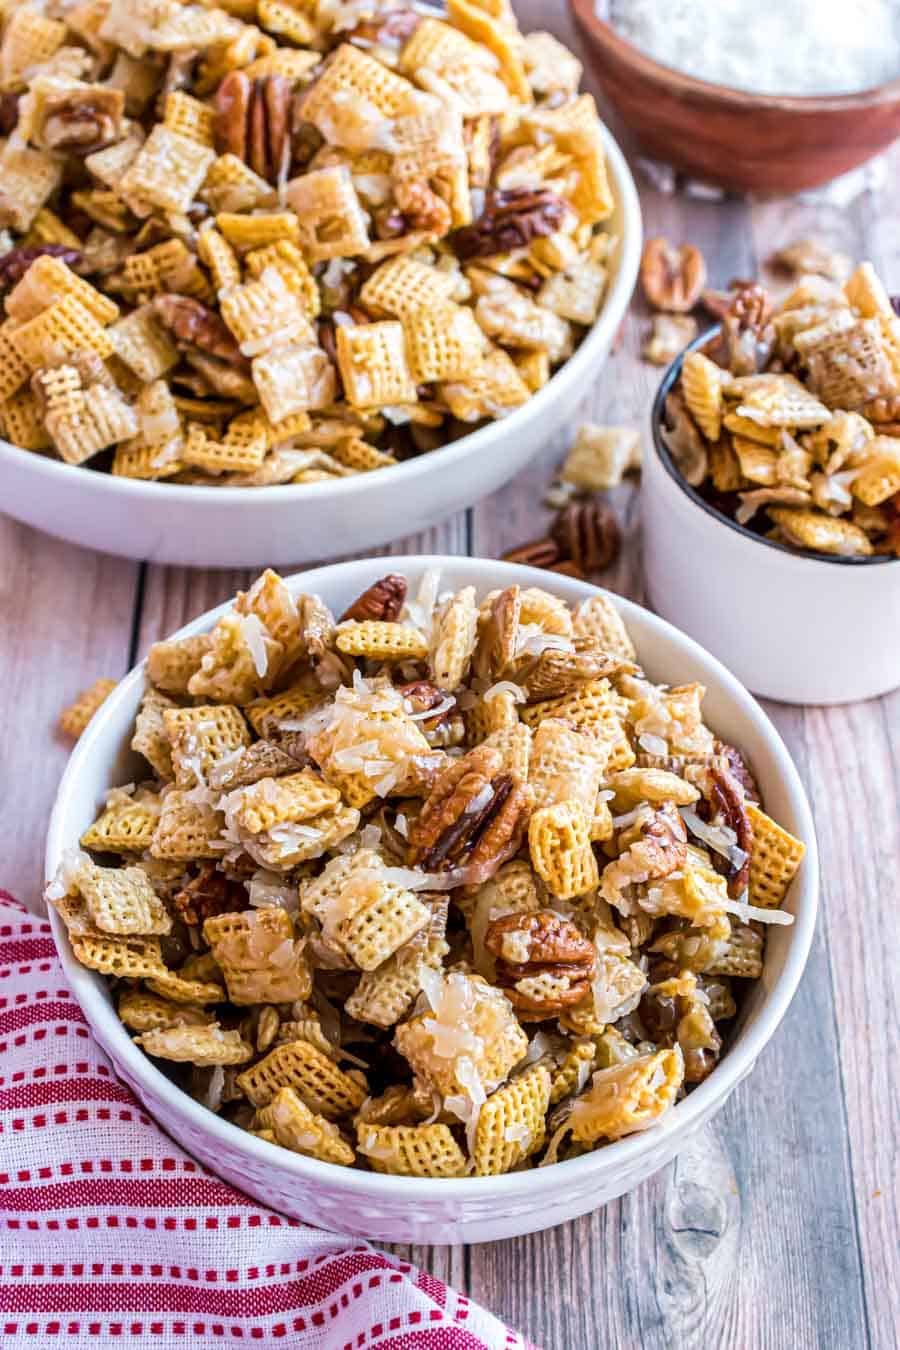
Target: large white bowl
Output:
[
  {"x": 475, "y": 1209},
  {"x": 245, "y": 527},
  {"x": 792, "y": 625}
]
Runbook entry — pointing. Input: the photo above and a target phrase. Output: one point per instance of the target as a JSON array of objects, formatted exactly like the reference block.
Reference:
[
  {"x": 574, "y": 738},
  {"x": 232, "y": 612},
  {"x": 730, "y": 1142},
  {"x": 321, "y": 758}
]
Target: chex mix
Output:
[
  {"x": 286, "y": 242},
  {"x": 444, "y": 885},
  {"x": 789, "y": 419}
]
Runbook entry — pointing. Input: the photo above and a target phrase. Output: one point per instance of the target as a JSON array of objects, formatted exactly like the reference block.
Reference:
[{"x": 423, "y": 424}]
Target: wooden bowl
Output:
[{"x": 748, "y": 142}]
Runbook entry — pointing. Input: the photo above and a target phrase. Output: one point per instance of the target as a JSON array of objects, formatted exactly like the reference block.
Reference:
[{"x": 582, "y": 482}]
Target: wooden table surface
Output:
[{"x": 779, "y": 1226}]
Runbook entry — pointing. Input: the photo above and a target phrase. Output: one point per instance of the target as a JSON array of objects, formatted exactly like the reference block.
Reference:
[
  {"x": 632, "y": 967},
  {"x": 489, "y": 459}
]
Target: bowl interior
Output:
[
  {"x": 657, "y": 420},
  {"x": 605, "y": 35},
  {"x": 102, "y": 759}
]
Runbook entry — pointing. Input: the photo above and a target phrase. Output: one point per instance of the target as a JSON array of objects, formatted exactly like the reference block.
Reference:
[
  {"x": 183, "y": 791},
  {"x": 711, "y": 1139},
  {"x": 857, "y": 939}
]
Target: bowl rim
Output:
[
  {"x": 740, "y": 99},
  {"x": 663, "y": 454},
  {"x": 113, "y": 1037},
  {"x": 402, "y": 476}
]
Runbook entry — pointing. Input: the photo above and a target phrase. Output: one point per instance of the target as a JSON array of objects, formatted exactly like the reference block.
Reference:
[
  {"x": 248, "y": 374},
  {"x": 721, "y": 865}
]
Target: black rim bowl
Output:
[{"x": 657, "y": 421}]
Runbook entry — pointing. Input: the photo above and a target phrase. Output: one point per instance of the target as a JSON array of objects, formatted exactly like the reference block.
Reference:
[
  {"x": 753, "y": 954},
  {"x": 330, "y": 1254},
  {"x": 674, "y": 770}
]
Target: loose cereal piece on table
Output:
[
  {"x": 601, "y": 456},
  {"x": 75, "y": 718}
]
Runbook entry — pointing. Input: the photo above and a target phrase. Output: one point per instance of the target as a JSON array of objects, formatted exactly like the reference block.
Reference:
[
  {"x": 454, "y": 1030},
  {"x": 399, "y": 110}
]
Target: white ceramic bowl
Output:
[
  {"x": 794, "y": 626},
  {"x": 475, "y": 1209},
  {"x": 246, "y": 527}
]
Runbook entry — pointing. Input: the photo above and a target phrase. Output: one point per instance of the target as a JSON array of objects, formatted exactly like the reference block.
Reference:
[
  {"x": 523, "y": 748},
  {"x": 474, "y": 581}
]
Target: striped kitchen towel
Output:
[{"x": 109, "y": 1233}]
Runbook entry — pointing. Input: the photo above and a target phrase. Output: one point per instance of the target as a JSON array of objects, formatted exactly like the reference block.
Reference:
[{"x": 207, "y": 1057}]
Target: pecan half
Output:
[
  {"x": 589, "y": 534},
  {"x": 207, "y": 894},
  {"x": 541, "y": 944},
  {"x": 741, "y": 770},
  {"x": 497, "y": 635},
  {"x": 474, "y": 817},
  {"x": 511, "y": 219},
  {"x": 539, "y": 553},
  {"x": 382, "y": 600},
  {"x": 15, "y": 263},
  {"x": 253, "y": 121},
  {"x": 194, "y": 325},
  {"x": 672, "y": 277},
  {"x": 724, "y": 805}
]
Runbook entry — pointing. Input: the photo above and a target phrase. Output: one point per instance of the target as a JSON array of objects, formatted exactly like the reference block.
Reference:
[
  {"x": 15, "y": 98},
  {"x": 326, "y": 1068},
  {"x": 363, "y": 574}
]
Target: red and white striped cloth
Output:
[{"x": 109, "y": 1232}]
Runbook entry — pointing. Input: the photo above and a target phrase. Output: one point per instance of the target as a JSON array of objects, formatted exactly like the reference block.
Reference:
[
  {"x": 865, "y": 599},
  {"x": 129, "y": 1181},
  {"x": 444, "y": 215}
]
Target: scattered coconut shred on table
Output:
[{"x": 800, "y": 48}]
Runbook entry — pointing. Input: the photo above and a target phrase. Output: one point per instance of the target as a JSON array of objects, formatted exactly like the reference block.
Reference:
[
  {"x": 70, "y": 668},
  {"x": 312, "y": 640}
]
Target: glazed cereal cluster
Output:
[
  {"x": 444, "y": 887},
  {"x": 286, "y": 242},
  {"x": 789, "y": 421}
]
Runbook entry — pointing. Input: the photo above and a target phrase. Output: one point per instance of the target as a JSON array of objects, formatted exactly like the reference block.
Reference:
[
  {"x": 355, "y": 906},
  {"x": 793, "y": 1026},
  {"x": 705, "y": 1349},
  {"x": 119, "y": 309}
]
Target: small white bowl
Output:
[
  {"x": 792, "y": 625},
  {"x": 246, "y": 527},
  {"x": 474, "y": 1209}
]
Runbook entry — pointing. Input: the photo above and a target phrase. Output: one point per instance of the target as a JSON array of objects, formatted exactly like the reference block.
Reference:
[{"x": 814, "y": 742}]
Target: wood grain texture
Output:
[
  {"x": 65, "y": 619},
  {"x": 777, "y": 1227}
]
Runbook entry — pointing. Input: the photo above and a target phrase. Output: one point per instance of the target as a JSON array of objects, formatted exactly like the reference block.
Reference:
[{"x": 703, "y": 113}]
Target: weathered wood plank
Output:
[
  {"x": 172, "y": 596},
  {"x": 65, "y": 618}
]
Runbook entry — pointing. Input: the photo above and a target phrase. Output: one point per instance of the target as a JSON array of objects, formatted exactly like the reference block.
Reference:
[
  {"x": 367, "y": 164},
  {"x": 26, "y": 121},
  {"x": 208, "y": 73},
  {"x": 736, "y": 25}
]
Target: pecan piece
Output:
[
  {"x": 9, "y": 112},
  {"x": 421, "y": 207},
  {"x": 672, "y": 277},
  {"x": 447, "y": 728},
  {"x": 15, "y": 263},
  {"x": 589, "y": 534},
  {"x": 511, "y": 219},
  {"x": 474, "y": 817},
  {"x": 544, "y": 963},
  {"x": 423, "y": 696},
  {"x": 82, "y": 119},
  {"x": 747, "y": 339},
  {"x": 393, "y": 29},
  {"x": 207, "y": 894},
  {"x": 811, "y": 256},
  {"x": 253, "y": 121},
  {"x": 194, "y": 325},
  {"x": 221, "y": 378},
  {"x": 383, "y": 600}
]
